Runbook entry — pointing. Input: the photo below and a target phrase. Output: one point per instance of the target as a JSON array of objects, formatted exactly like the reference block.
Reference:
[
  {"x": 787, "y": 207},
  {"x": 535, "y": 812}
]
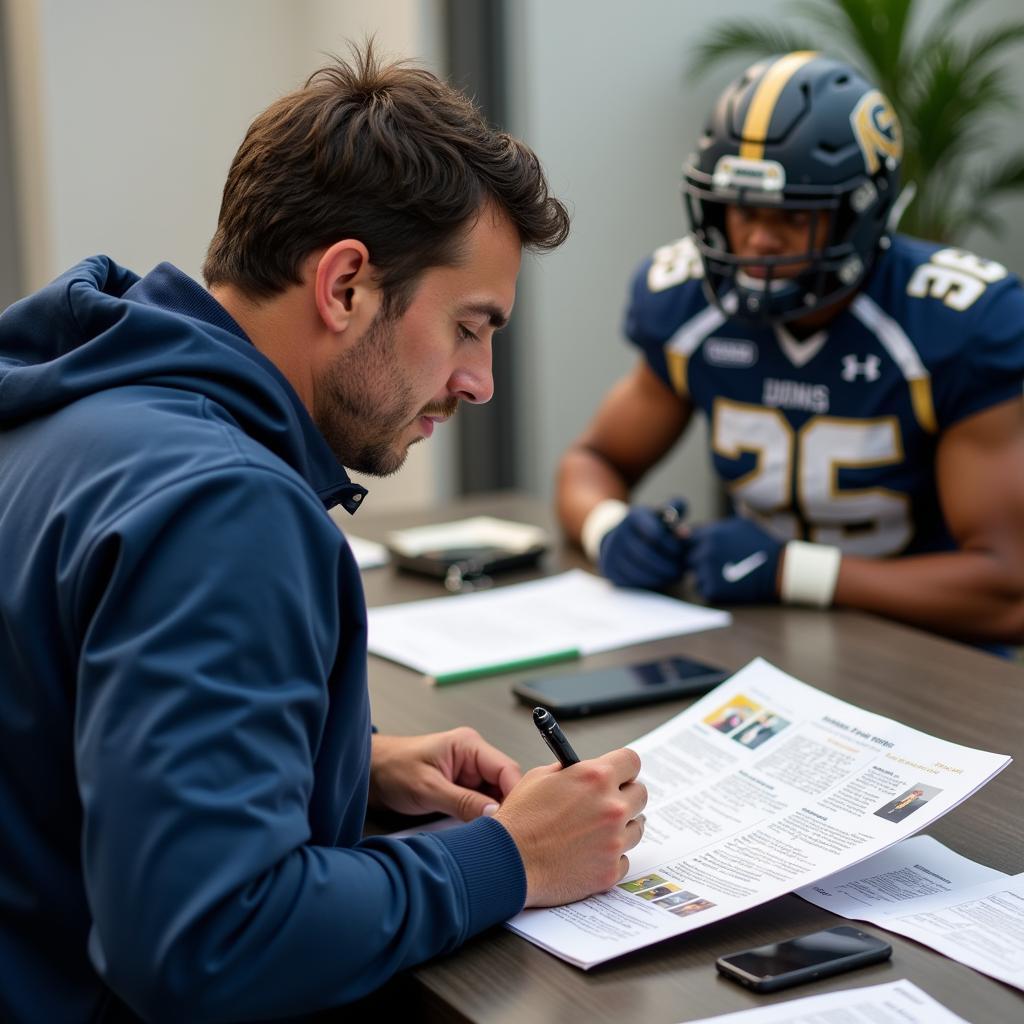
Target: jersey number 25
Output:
[{"x": 796, "y": 476}]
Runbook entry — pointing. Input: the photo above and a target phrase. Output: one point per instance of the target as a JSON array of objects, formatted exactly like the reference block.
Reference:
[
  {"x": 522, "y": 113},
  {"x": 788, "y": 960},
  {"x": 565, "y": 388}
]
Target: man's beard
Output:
[{"x": 362, "y": 404}]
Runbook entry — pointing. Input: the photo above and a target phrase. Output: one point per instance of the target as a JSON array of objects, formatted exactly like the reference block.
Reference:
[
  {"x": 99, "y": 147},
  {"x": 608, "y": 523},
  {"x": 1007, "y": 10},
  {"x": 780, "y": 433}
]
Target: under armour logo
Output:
[{"x": 871, "y": 368}]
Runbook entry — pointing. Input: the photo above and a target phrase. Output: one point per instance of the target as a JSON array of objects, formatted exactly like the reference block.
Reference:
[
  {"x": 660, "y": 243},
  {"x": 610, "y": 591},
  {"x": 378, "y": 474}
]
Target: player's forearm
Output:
[
  {"x": 968, "y": 594},
  {"x": 584, "y": 480}
]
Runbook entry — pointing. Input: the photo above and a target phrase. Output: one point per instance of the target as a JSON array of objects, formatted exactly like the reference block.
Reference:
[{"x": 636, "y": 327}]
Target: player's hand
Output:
[
  {"x": 644, "y": 551},
  {"x": 574, "y": 825},
  {"x": 455, "y": 772},
  {"x": 735, "y": 562}
]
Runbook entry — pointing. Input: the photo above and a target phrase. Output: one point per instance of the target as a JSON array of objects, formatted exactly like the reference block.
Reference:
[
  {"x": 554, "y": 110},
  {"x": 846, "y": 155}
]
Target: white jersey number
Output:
[
  {"x": 957, "y": 277},
  {"x": 869, "y": 521},
  {"x": 673, "y": 264}
]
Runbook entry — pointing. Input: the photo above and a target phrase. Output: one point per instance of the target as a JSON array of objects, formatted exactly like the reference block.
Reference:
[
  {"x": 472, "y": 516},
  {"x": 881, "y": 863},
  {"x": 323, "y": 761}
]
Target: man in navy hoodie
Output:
[{"x": 186, "y": 754}]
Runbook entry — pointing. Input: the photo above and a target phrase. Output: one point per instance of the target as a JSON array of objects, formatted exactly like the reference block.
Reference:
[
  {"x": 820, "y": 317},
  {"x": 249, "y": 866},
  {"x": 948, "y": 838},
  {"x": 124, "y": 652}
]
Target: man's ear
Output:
[{"x": 344, "y": 287}]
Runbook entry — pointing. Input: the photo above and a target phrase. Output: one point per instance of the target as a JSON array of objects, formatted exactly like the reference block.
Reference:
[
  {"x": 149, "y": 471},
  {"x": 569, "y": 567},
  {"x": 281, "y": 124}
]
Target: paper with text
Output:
[
  {"x": 896, "y": 1002},
  {"x": 891, "y": 881},
  {"x": 526, "y": 622},
  {"x": 762, "y": 786}
]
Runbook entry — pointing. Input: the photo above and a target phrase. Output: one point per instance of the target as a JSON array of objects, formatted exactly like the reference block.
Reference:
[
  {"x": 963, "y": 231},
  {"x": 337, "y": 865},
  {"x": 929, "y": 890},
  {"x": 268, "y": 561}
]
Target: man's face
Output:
[
  {"x": 407, "y": 373},
  {"x": 759, "y": 232}
]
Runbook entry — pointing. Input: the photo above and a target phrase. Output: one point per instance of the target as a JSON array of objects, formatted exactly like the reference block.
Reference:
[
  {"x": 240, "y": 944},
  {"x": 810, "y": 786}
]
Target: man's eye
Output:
[{"x": 466, "y": 334}]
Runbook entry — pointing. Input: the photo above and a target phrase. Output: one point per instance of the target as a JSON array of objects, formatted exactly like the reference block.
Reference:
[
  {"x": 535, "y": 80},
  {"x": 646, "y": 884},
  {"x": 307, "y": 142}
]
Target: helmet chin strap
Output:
[{"x": 899, "y": 207}]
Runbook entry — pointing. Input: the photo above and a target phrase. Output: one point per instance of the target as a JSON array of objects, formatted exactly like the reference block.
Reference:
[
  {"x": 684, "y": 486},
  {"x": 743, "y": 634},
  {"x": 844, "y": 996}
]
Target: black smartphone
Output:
[
  {"x": 819, "y": 955},
  {"x": 607, "y": 689}
]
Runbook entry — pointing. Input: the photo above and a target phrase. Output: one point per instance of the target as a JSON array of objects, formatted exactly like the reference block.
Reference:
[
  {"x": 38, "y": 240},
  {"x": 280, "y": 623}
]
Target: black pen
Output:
[
  {"x": 551, "y": 733},
  {"x": 671, "y": 518}
]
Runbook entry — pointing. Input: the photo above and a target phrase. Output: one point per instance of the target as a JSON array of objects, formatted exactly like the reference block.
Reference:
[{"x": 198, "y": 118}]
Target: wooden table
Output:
[{"x": 934, "y": 685}]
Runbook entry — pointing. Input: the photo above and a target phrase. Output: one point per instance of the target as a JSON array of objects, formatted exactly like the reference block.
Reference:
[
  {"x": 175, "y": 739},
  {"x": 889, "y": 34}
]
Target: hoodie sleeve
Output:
[{"x": 209, "y": 616}]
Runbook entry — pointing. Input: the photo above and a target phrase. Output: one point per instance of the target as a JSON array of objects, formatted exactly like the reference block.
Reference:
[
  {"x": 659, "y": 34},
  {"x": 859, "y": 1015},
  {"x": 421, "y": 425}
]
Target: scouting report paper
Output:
[
  {"x": 890, "y": 882},
  {"x": 928, "y": 893},
  {"x": 762, "y": 786}
]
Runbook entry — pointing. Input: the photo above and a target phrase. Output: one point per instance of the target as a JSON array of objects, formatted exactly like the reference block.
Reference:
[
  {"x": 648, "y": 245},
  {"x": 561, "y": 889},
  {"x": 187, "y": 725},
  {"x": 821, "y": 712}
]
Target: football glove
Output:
[
  {"x": 735, "y": 562},
  {"x": 645, "y": 550}
]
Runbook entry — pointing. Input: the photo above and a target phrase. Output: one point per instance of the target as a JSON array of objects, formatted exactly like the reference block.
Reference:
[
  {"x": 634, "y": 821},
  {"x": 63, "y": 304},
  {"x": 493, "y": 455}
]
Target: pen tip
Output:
[{"x": 539, "y": 714}]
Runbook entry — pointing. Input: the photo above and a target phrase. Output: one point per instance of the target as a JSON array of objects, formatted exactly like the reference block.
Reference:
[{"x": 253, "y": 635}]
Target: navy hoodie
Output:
[{"x": 184, "y": 720}]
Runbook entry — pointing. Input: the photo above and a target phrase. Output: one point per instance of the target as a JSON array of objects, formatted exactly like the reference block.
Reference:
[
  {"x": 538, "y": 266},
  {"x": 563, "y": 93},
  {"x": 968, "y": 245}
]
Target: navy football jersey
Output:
[{"x": 832, "y": 438}]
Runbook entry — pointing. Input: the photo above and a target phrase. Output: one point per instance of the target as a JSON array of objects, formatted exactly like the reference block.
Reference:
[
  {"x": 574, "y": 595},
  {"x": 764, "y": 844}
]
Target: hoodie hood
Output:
[{"x": 100, "y": 326}]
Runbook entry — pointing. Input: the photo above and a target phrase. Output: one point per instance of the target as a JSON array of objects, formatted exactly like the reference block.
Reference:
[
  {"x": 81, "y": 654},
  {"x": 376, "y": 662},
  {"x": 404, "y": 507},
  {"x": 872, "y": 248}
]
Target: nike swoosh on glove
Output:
[
  {"x": 735, "y": 562},
  {"x": 642, "y": 551}
]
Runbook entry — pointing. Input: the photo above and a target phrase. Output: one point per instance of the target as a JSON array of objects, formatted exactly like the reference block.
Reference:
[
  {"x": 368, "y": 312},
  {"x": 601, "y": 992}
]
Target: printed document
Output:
[
  {"x": 762, "y": 786},
  {"x": 569, "y": 615},
  {"x": 896, "y": 1002},
  {"x": 889, "y": 882},
  {"x": 368, "y": 553},
  {"x": 926, "y": 892}
]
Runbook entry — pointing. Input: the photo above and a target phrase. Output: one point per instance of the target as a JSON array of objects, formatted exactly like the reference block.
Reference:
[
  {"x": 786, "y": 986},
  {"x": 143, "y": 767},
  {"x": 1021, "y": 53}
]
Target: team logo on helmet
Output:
[{"x": 877, "y": 130}]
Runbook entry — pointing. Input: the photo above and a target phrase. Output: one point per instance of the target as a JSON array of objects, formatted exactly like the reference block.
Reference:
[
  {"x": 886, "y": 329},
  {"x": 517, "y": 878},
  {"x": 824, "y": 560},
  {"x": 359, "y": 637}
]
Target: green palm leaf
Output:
[
  {"x": 733, "y": 39},
  {"x": 989, "y": 44},
  {"x": 946, "y": 22},
  {"x": 875, "y": 30},
  {"x": 1005, "y": 176}
]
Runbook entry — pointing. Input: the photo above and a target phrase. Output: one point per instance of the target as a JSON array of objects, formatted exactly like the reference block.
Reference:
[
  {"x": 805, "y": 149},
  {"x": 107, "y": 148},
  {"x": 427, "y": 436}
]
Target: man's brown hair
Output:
[{"x": 384, "y": 153}]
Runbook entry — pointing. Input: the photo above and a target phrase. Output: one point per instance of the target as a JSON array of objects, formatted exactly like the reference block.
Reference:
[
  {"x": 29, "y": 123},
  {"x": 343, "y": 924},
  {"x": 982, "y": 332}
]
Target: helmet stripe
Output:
[{"x": 766, "y": 95}]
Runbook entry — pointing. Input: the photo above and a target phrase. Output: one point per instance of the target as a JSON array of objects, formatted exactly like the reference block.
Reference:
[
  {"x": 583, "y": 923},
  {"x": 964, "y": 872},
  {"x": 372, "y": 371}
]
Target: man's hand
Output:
[
  {"x": 735, "y": 561},
  {"x": 574, "y": 825},
  {"x": 454, "y": 772},
  {"x": 643, "y": 550}
]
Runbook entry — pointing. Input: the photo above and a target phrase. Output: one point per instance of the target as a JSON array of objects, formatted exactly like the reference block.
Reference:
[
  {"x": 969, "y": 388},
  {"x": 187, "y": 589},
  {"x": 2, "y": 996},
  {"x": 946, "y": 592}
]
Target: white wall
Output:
[
  {"x": 600, "y": 93},
  {"x": 128, "y": 113}
]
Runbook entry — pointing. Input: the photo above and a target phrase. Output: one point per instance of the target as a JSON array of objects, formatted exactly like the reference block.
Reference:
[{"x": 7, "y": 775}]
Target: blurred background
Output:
[{"x": 119, "y": 118}]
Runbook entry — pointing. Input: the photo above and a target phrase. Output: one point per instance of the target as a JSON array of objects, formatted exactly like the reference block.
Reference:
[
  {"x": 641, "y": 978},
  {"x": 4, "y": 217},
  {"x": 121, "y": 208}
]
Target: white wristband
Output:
[
  {"x": 604, "y": 516},
  {"x": 810, "y": 573}
]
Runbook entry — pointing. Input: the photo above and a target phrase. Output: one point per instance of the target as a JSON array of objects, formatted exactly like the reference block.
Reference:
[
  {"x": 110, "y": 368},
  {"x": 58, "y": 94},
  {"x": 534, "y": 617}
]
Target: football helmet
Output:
[{"x": 797, "y": 132}]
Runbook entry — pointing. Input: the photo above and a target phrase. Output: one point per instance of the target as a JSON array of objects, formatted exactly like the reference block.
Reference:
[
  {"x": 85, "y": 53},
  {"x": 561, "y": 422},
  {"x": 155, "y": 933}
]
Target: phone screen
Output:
[
  {"x": 808, "y": 956},
  {"x": 580, "y": 693}
]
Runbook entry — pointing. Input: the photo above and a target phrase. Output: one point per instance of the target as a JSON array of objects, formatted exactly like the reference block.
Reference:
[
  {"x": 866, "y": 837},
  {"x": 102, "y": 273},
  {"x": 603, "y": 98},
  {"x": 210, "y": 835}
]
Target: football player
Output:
[{"x": 863, "y": 389}]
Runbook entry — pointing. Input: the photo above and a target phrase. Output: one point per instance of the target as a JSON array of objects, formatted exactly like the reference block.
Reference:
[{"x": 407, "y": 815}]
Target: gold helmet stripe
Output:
[{"x": 766, "y": 95}]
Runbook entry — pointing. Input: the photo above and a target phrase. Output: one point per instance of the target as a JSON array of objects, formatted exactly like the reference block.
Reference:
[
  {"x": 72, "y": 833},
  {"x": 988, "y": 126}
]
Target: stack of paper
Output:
[{"x": 528, "y": 624}]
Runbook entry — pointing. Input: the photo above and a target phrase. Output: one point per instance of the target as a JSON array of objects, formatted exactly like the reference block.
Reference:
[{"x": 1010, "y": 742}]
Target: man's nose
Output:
[
  {"x": 473, "y": 380},
  {"x": 764, "y": 237}
]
